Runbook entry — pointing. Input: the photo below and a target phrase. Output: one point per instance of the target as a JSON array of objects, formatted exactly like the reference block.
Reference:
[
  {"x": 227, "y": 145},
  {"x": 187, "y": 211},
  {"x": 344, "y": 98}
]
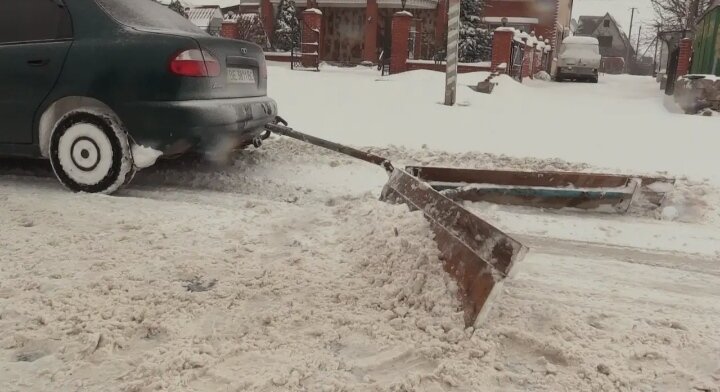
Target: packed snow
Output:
[{"x": 283, "y": 272}]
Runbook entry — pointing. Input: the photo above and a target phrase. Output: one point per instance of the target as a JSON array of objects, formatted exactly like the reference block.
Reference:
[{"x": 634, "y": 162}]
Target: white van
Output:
[{"x": 578, "y": 59}]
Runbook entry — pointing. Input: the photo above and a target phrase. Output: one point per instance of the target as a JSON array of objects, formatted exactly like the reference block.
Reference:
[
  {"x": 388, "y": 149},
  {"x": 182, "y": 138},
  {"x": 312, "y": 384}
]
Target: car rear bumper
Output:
[
  {"x": 578, "y": 71},
  {"x": 178, "y": 126}
]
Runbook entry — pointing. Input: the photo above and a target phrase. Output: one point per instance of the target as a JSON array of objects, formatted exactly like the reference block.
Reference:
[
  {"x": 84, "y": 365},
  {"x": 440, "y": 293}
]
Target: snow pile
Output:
[
  {"x": 544, "y": 76},
  {"x": 619, "y": 124}
]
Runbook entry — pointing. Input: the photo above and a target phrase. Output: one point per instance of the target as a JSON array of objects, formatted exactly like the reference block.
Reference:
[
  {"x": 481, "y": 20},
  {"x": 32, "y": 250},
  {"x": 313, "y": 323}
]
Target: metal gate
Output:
[
  {"x": 672, "y": 71},
  {"x": 310, "y": 47},
  {"x": 517, "y": 54}
]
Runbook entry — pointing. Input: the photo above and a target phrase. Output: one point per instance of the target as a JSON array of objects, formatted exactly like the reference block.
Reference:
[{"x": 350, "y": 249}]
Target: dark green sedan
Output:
[{"x": 103, "y": 88}]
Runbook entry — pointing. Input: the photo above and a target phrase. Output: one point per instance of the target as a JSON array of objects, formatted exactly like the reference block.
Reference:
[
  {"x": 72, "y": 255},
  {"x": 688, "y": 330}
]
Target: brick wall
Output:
[
  {"x": 230, "y": 30},
  {"x": 685, "y": 55}
]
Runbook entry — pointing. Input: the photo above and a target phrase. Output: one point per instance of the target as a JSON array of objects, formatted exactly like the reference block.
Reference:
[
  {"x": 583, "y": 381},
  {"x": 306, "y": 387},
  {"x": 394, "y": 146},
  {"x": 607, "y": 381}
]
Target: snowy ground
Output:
[{"x": 282, "y": 272}]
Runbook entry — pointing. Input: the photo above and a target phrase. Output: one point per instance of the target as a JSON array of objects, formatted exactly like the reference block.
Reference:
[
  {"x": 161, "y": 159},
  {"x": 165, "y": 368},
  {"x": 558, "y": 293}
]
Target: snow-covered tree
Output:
[
  {"x": 250, "y": 28},
  {"x": 175, "y": 6},
  {"x": 475, "y": 41},
  {"x": 678, "y": 14},
  {"x": 287, "y": 27}
]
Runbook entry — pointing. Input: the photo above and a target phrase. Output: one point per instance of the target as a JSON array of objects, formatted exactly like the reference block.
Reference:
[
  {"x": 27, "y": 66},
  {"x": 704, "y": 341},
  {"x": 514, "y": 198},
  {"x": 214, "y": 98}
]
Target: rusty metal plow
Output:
[
  {"x": 545, "y": 189},
  {"x": 476, "y": 254}
]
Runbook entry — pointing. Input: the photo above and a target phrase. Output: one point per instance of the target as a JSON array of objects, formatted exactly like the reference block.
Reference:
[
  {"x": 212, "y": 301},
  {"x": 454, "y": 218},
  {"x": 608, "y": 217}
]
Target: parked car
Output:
[
  {"x": 578, "y": 59},
  {"x": 104, "y": 87}
]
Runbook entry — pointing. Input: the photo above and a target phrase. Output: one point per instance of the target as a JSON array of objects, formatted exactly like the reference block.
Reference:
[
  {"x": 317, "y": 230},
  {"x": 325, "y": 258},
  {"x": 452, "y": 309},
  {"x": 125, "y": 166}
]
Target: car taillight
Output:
[{"x": 196, "y": 63}]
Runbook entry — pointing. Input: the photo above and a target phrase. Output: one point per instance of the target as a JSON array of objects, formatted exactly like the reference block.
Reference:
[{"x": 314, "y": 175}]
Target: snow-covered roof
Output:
[
  {"x": 204, "y": 16},
  {"x": 410, "y": 4},
  {"x": 576, "y": 39}
]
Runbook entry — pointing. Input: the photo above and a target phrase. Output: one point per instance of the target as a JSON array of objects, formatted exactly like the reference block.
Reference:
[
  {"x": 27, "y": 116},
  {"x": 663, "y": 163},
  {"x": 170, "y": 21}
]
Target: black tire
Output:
[
  {"x": 559, "y": 78},
  {"x": 90, "y": 152},
  {"x": 594, "y": 80}
]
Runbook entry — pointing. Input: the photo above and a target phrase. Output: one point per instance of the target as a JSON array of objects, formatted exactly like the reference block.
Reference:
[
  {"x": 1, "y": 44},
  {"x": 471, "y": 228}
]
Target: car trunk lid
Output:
[{"x": 243, "y": 71}]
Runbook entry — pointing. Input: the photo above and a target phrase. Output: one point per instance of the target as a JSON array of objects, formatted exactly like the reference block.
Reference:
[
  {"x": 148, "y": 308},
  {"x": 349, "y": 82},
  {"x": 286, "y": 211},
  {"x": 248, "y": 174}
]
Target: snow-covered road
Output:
[{"x": 282, "y": 272}]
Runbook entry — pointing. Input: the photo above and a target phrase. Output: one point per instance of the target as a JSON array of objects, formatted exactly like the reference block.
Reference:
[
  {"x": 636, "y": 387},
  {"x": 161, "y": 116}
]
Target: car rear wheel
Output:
[{"x": 90, "y": 152}]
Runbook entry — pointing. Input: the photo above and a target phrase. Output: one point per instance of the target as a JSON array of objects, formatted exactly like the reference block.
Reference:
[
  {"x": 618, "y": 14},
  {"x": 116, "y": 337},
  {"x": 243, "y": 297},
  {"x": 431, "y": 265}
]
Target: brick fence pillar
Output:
[
  {"x": 400, "y": 33},
  {"x": 501, "y": 49},
  {"x": 229, "y": 29},
  {"x": 441, "y": 23},
  {"x": 312, "y": 18},
  {"x": 371, "y": 27},
  {"x": 683, "y": 66},
  {"x": 267, "y": 18}
]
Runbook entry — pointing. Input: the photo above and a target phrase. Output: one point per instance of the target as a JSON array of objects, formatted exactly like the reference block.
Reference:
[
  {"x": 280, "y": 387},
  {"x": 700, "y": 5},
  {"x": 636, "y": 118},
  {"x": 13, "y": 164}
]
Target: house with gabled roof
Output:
[
  {"x": 613, "y": 41},
  {"x": 208, "y": 18}
]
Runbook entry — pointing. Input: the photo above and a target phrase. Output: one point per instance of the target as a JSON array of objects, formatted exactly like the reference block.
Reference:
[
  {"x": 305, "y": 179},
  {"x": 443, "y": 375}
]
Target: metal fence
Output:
[{"x": 517, "y": 54}]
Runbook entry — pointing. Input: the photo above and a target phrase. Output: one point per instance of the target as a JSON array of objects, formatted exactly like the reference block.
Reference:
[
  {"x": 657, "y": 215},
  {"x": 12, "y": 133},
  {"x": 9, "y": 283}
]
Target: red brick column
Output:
[
  {"x": 685, "y": 54},
  {"x": 501, "y": 49},
  {"x": 400, "y": 34},
  {"x": 230, "y": 30},
  {"x": 312, "y": 17},
  {"x": 441, "y": 24},
  {"x": 267, "y": 17},
  {"x": 371, "y": 28}
]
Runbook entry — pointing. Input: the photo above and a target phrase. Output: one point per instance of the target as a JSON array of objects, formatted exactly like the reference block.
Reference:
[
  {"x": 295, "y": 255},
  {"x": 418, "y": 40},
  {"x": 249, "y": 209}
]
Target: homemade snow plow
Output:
[{"x": 475, "y": 253}]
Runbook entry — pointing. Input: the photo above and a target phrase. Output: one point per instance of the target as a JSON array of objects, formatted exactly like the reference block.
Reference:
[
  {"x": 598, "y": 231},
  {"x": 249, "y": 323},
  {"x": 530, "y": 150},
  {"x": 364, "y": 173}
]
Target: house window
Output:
[
  {"x": 606, "y": 23},
  {"x": 605, "y": 41}
]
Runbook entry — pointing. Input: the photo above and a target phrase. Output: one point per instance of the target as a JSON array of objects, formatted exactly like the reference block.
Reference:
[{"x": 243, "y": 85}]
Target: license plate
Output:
[{"x": 240, "y": 75}]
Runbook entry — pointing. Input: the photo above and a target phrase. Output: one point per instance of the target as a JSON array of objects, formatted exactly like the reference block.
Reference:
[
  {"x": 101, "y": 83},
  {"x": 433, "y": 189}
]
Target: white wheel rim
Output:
[{"x": 85, "y": 153}]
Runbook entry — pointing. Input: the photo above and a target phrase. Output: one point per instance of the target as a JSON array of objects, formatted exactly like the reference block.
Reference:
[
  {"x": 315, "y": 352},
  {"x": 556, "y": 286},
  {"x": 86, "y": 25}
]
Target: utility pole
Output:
[
  {"x": 637, "y": 47},
  {"x": 657, "y": 42},
  {"x": 629, "y": 49},
  {"x": 452, "y": 52}
]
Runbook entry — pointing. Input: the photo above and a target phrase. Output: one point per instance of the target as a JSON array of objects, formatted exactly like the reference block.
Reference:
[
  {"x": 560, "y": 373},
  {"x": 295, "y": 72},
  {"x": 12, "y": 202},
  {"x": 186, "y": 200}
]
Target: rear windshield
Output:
[
  {"x": 579, "y": 48},
  {"x": 147, "y": 15}
]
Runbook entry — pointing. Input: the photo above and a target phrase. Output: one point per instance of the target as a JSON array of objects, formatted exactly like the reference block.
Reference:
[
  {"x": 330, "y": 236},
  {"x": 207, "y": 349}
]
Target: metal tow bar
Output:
[{"x": 475, "y": 253}]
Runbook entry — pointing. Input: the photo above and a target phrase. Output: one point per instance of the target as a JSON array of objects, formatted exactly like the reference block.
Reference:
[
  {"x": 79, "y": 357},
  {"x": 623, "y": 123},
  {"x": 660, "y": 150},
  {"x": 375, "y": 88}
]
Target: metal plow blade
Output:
[
  {"x": 544, "y": 189},
  {"x": 475, "y": 253}
]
